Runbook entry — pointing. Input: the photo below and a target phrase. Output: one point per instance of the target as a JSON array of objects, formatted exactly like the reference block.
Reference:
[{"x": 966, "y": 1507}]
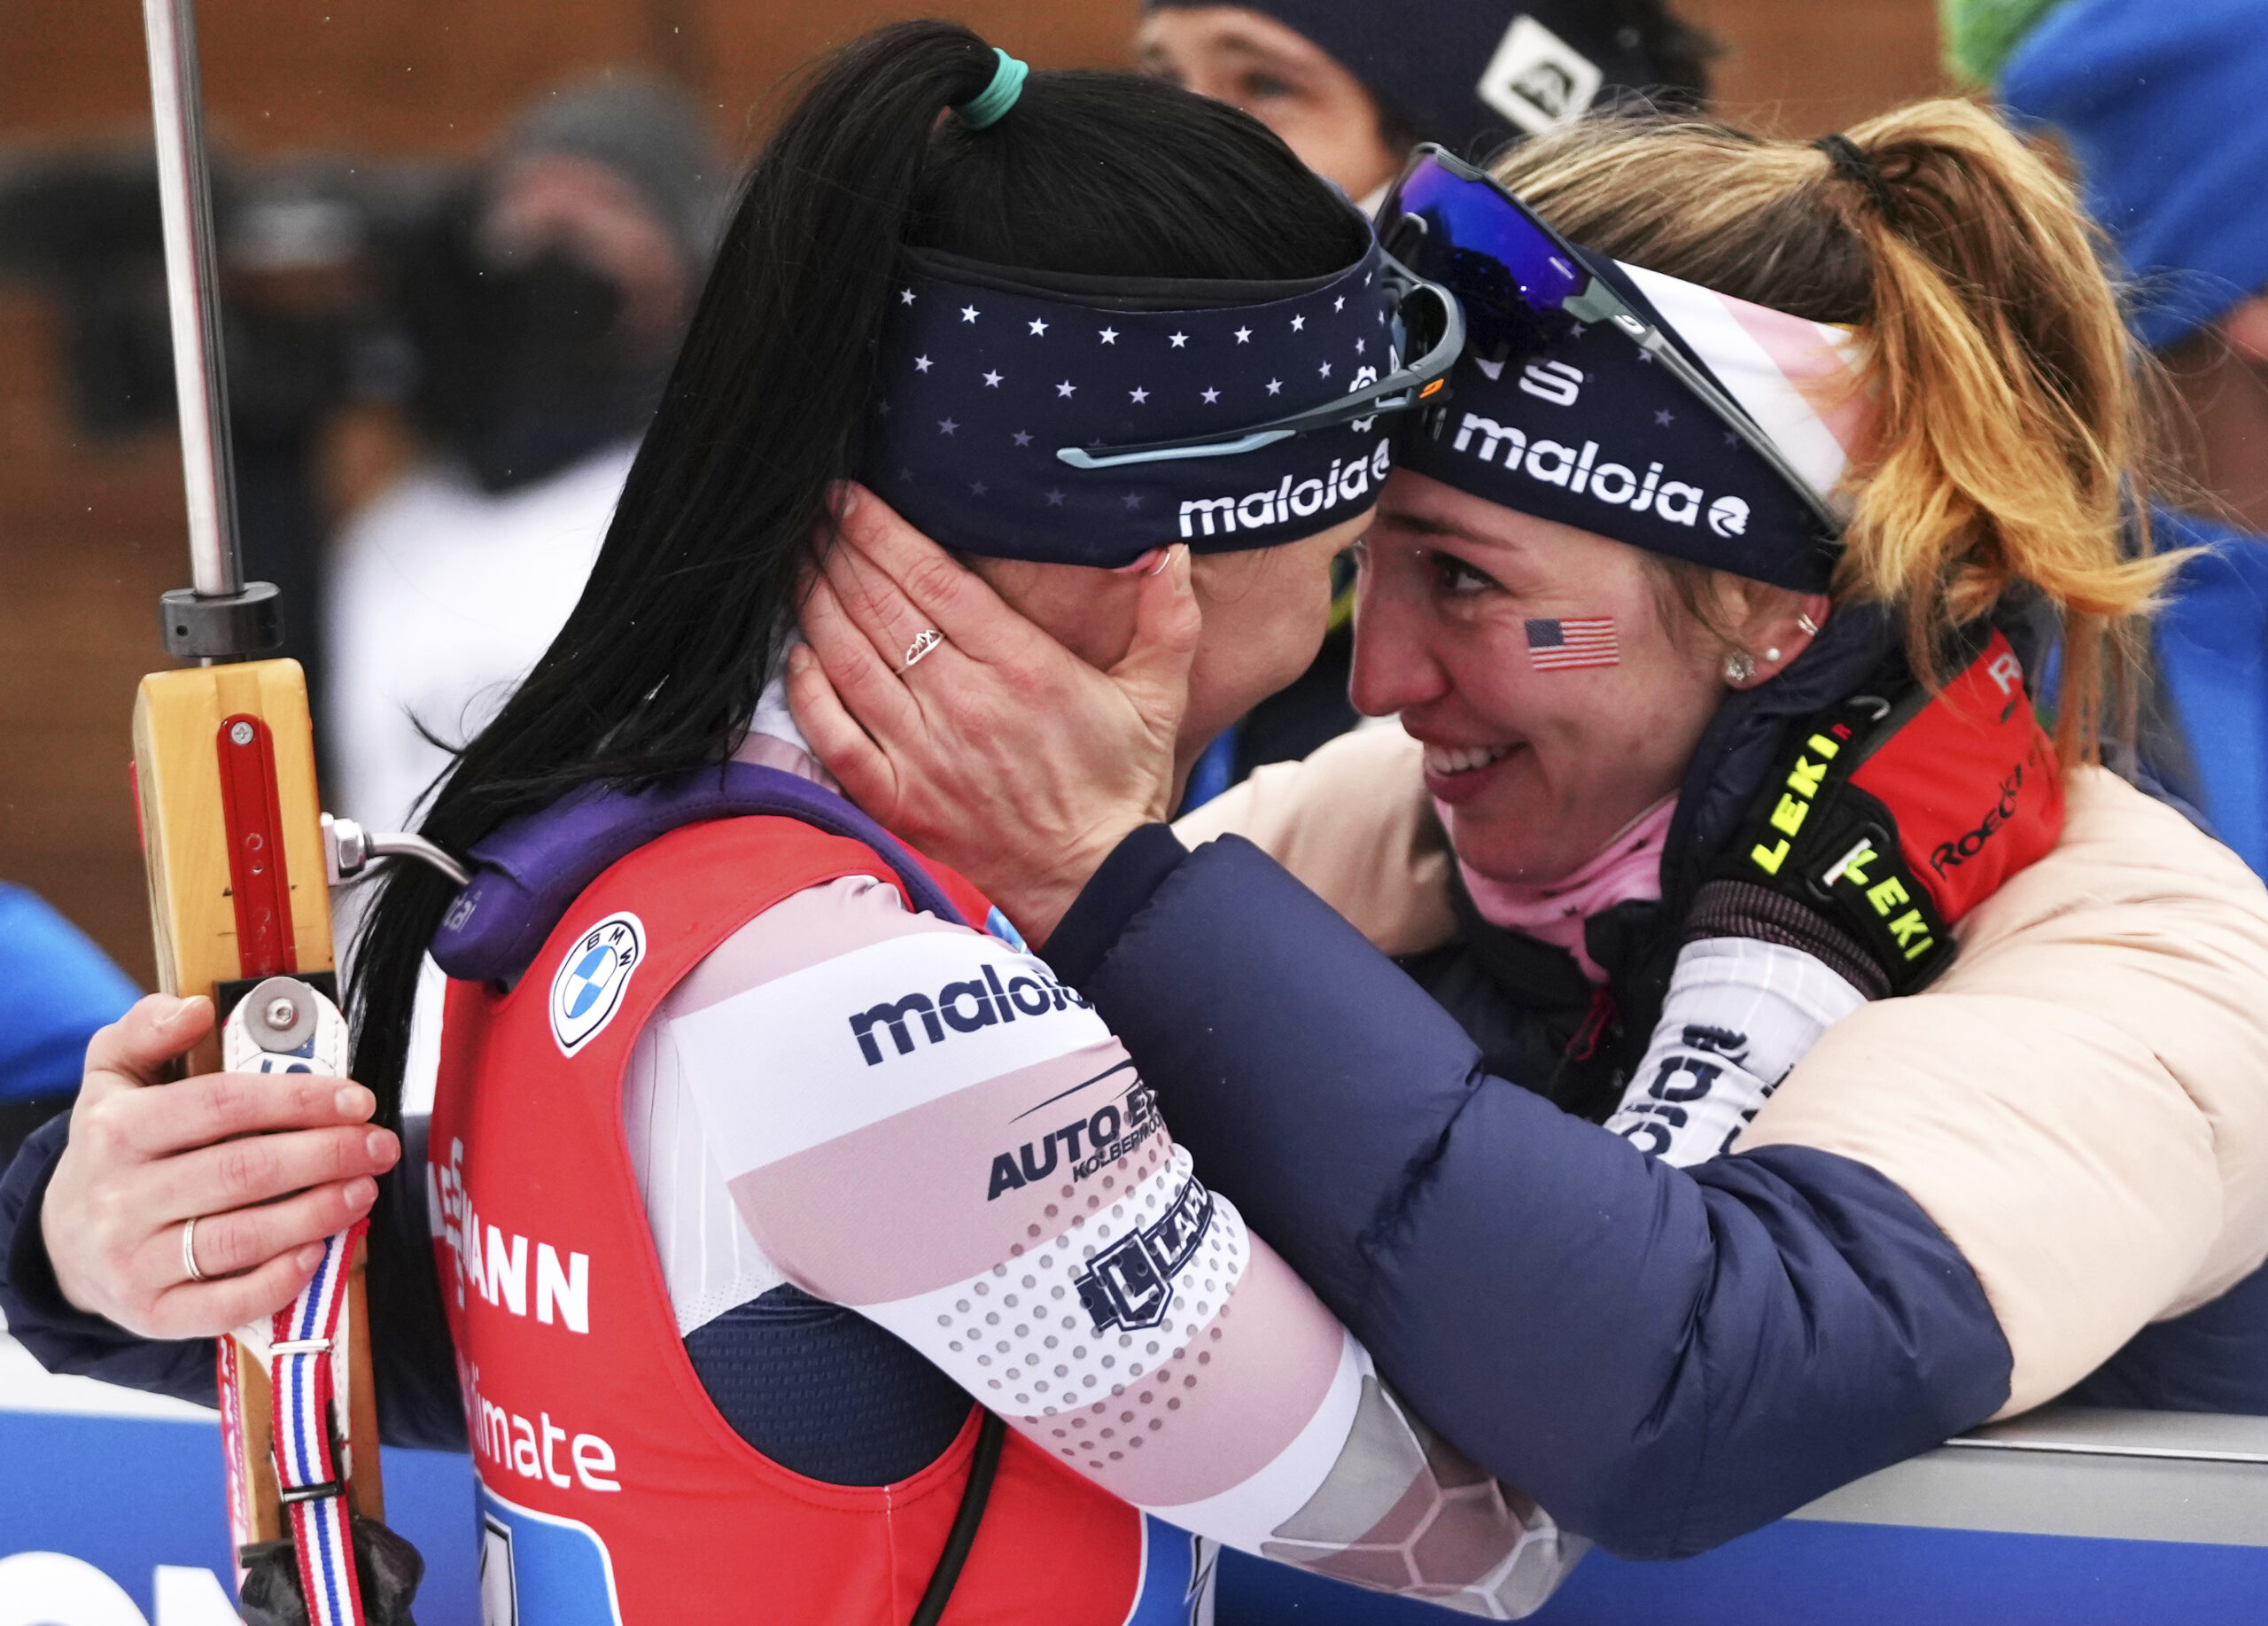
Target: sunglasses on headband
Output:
[
  {"x": 1522, "y": 287},
  {"x": 1427, "y": 320}
]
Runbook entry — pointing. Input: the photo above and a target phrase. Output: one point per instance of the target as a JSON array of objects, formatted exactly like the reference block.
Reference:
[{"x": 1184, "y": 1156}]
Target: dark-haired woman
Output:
[{"x": 761, "y": 1145}]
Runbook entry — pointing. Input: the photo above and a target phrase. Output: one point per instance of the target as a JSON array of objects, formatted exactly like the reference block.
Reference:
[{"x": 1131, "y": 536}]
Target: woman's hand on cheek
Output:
[{"x": 1001, "y": 753}]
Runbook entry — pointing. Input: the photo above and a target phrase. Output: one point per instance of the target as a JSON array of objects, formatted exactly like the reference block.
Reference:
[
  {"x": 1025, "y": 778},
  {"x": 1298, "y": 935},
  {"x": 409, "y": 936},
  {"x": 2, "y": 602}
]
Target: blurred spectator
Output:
[
  {"x": 589, "y": 233},
  {"x": 304, "y": 248},
  {"x": 1352, "y": 87},
  {"x": 2161, "y": 108},
  {"x": 593, "y": 229},
  {"x": 57, "y": 989},
  {"x": 441, "y": 596},
  {"x": 512, "y": 318}
]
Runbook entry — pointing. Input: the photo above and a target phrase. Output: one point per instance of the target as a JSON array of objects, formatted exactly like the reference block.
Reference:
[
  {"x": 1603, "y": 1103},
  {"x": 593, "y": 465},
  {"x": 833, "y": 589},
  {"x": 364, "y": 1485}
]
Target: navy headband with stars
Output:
[{"x": 986, "y": 374}]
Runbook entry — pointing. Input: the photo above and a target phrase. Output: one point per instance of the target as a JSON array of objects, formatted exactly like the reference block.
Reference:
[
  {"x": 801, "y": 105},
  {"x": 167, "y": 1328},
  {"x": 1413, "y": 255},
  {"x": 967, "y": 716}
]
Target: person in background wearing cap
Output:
[
  {"x": 2160, "y": 106},
  {"x": 782, "y": 1149},
  {"x": 591, "y": 229},
  {"x": 1352, "y": 88},
  {"x": 1677, "y": 775}
]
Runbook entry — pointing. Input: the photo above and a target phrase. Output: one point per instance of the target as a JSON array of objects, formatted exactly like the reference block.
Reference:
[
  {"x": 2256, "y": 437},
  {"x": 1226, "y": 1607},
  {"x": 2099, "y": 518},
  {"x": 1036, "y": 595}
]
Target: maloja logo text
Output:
[
  {"x": 1578, "y": 470},
  {"x": 1347, "y": 482},
  {"x": 957, "y": 1007}
]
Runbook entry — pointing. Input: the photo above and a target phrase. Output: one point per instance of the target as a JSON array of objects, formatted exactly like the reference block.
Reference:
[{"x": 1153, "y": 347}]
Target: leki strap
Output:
[{"x": 308, "y": 1477}]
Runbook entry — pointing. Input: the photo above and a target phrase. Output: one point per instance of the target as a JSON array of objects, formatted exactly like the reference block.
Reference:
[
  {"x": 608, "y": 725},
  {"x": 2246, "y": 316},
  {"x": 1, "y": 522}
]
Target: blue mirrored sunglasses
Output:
[{"x": 1523, "y": 287}]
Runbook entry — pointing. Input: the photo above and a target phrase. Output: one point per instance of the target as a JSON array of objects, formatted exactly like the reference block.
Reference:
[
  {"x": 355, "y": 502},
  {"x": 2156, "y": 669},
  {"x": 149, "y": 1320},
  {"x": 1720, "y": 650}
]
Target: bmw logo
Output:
[{"x": 587, "y": 989}]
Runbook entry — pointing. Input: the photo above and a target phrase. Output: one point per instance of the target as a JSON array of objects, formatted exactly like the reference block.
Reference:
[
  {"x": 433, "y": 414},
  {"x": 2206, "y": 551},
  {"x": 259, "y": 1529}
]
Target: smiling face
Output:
[
  {"x": 1536, "y": 769},
  {"x": 1281, "y": 78}
]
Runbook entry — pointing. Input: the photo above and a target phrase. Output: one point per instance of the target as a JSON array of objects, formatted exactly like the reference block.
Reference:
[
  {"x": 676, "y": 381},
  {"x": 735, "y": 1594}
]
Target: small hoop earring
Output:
[
  {"x": 1740, "y": 666},
  {"x": 1806, "y": 626}
]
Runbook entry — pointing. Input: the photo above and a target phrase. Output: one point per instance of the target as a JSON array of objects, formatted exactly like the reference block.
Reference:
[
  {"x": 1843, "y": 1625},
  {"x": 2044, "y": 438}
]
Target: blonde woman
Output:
[{"x": 1877, "y": 399}]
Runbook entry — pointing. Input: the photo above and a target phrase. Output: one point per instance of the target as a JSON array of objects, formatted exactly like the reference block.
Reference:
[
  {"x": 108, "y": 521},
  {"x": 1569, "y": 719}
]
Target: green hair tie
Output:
[{"x": 991, "y": 104}]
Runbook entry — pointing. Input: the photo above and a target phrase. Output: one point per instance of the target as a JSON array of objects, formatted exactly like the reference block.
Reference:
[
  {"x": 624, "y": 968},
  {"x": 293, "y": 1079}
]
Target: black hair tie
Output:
[{"x": 1853, "y": 165}]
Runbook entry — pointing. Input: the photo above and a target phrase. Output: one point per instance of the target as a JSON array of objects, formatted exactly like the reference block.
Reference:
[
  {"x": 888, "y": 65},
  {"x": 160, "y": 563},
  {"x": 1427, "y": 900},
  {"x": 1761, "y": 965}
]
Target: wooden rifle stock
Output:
[
  {"x": 232, "y": 843},
  {"x": 225, "y": 780}
]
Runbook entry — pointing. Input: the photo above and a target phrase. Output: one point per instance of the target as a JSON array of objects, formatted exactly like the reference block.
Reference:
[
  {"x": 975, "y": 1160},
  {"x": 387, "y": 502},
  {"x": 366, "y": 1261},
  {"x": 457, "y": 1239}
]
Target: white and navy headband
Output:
[
  {"x": 1587, "y": 431},
  {"x": 986, "y": 374}
]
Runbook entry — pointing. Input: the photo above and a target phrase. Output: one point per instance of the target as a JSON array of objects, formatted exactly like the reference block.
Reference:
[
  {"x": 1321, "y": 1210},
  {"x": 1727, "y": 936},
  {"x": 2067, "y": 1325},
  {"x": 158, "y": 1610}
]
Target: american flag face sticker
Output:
[{"x": 1558, "y": 646}]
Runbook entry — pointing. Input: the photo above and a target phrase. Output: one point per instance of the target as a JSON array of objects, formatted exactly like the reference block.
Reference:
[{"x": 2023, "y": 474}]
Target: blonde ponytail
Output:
[{"x": 2010, "y": 443}]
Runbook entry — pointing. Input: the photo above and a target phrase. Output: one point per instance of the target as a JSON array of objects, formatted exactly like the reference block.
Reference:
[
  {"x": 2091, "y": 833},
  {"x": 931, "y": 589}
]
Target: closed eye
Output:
[{"x": 1454, "y": 578}]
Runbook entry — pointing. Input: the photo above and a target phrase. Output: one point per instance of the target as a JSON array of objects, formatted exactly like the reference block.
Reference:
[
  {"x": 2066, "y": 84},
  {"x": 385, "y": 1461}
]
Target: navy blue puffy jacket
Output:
[{"x": 1663, "y": 1357}]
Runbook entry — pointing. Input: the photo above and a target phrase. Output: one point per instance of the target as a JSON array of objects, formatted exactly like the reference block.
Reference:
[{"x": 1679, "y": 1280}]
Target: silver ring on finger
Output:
[
  {"x": 189, "y": 1250},
  {"x": 927, "y": 642}
]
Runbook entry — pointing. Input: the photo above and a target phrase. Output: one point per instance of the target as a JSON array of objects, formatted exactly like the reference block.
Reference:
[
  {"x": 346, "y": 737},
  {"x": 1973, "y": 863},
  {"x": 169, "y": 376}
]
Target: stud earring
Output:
[
  {"x": 1770, "y": 655},
  {"x": 1740, "y": 666},
  {"x": 1806, "y": 626}
]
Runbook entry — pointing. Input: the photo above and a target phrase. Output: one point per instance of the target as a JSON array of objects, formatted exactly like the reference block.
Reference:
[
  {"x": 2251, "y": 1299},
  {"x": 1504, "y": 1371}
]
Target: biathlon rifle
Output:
[{"x": 240, "y": 860}]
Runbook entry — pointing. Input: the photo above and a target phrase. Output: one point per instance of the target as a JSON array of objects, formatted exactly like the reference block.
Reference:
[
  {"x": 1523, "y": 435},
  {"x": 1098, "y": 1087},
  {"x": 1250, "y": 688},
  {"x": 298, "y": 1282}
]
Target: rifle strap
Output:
[
  {"x": 984, "y": 1463},
  {"x": 306, "y": 1342},
  {"x": 309, "y": 1474}
]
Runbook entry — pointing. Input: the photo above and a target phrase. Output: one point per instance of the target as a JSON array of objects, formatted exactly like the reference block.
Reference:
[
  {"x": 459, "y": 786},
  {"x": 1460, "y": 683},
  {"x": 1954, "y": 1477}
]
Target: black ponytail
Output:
[{"x": 660, "y": 666}]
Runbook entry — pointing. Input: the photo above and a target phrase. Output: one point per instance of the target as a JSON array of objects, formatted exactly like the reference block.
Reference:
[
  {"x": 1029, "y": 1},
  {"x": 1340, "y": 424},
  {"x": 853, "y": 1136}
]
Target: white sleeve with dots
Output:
[{"x": 915, "y": 1120}]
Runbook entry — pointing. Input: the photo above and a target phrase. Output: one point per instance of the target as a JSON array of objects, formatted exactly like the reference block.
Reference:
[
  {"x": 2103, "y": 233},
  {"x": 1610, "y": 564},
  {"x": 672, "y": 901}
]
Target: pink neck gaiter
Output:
[{"x": 1628, "y": 868}]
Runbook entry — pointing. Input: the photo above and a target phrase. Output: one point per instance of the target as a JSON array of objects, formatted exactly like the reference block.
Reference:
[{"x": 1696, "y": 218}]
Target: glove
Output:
[
  {"x": 1893, "y": 817},
  {"x": 386, "y": 1566}
]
